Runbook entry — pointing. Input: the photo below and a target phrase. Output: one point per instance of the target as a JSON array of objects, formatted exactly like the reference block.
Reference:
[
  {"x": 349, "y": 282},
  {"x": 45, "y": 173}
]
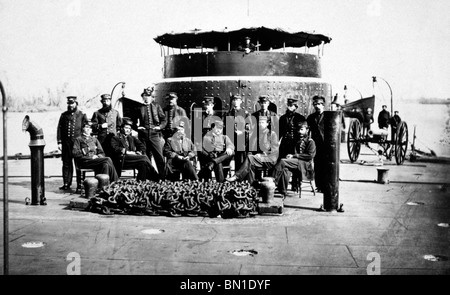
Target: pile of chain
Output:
[{"x": 179, "y": 198}]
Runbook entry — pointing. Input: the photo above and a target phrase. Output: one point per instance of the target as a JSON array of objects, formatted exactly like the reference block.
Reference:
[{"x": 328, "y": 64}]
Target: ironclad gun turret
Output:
[{"x": 224, "y": 63}]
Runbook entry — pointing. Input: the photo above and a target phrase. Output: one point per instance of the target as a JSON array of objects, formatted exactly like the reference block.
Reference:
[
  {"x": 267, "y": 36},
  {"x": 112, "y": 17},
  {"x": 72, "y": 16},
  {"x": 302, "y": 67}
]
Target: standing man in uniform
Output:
[
  {"x": 209, "y": 116},
  {"x": 395, "y": 122},
  {"x": 151, "y": 120},
  {"x": 69, "y": 127},
  {"x": 236, "y": 128},
  {"x": 316, "y": 129},
  {"x": 174, "y": 114},
  {"x": 383, "y": 118},
  {"x": 368, "y": 119},
  {"x": 105, "y": 123},
  {"x": 289, "y": 124}
]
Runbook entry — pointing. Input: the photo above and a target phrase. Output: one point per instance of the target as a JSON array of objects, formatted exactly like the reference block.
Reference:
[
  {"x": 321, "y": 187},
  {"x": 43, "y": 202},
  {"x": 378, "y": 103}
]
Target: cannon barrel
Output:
[{"x": 377, "y": 132}]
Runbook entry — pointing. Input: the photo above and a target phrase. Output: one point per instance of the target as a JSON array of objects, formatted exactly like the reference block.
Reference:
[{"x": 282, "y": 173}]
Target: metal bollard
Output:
[
  {"x": 332, "y": 140},
  {"x": 103, "y": 180},
  {"x": 267, "y": 189},
  {"x": 383, "y": 175},
  {"x": 90, "y": 187},
  {"x": 36, "y": 145}
]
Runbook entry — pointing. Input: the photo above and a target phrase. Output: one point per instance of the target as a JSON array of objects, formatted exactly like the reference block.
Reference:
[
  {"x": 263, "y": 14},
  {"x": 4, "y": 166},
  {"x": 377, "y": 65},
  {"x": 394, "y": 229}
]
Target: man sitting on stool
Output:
[
  {"x": 300, "y": 162},
  {"x": 217, "y": 148},
  {"x": 129, "y": 152},
  {"x": 265, "y": 158},
  {"x": 179, "y": 151},
  {"x": 88, "y": 153}
]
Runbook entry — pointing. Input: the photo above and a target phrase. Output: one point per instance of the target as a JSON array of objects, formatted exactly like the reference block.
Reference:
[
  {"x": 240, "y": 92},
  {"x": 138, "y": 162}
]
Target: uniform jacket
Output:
[
  {"x": 121, "y": 143},
  {"x": 289, "y": 124},
  {"x": 254, "y": 126},
  {"x": 273, "y": 116},
  {"x": 70, "y": 125},
  {"x": 234, "y": 121},
  {"x": 84, "y": 147},
  {"x": 238, "y": 116},
  {"x": 305, "y": 150},
  {"x": 316, "y": 127},
  {"x": 159, "y": 119},
  {"x": 383, "y": 119},
  {"x": 110, "y": 116},
  {"x": 173, "y": 115},
  {"x": 177, "y": 111},
  {"x": 174, "y": 147},
  {"x": 216, "y": 144},
  {"x": 269, "y": 145},
  {"x": 207, "y": 120}
]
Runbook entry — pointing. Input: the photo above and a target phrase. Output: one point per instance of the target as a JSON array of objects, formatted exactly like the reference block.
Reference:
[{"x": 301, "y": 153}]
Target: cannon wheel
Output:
[
  {"x": 401, "y": 143},
  {"x": 354, "y": 140}
]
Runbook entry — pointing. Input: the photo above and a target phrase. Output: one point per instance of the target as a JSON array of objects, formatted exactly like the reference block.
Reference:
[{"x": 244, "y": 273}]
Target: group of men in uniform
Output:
[{"x": 257, "y": 141}]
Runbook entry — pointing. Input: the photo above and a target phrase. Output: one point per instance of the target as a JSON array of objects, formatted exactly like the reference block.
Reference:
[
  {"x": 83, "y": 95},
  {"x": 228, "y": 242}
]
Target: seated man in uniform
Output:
[
  {"x": 217, "y": 149},
  {"x": 300, "y": 162},
  {"x": 88, "y": 153},
  {"x": 129, "y": 153},
  {"x": 266, "y": 157},
  {"x": 180, "y": 151}
]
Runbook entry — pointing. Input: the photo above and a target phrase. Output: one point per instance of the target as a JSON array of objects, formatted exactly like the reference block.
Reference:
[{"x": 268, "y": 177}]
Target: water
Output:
[{"x": 432, "y": 123}]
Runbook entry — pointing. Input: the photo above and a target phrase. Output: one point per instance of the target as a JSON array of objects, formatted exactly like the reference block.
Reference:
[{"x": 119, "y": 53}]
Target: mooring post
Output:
[{"x": 332, "y": 140}]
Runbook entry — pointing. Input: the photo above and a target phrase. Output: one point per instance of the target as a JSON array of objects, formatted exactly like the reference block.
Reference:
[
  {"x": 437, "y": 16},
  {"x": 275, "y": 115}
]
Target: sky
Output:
[{"x": 89, "y": 46}]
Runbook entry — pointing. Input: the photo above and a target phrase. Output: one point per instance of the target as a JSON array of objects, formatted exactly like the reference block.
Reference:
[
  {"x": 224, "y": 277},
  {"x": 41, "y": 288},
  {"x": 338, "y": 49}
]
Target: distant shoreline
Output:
[{"x": 434, "y": 101}]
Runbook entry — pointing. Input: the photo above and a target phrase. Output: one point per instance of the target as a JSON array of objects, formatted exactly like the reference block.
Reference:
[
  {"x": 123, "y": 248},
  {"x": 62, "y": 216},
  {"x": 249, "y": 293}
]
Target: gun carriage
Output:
[{"x": 393, "y": 142}]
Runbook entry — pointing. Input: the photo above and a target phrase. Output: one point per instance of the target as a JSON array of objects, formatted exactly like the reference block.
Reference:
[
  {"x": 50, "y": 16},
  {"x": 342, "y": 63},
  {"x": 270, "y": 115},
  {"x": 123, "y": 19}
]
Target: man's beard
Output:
[
  {"x": 71, "y": 109},
  {"x": 106, "y": 108}
]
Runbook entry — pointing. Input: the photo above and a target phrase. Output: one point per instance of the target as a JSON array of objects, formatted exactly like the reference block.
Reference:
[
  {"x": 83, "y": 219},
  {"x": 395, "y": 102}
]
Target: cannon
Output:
[{"x": 392, "y": 142}]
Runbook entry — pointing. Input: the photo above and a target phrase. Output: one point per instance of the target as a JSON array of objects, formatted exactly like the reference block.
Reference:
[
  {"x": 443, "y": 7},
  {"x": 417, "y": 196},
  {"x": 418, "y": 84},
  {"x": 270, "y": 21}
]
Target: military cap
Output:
[
  {"x": 233, "y": 97},
  {"x": 150, "y": 88},
  {"x": 318, "y": 99},
  {"x": 126, "y": 121},
  {"x": 71, "y": 99},
  {"x": 88, "y": 123},
  {"x": 263, "y": 98},
  {"x": 208, "y": 100},
  {"x": 148, "y": 91},
  {"x": 171, "y": 95},
  {"x": 302, "y": 123},
  {"x": 218, "y": 124},
  {"x": 105, "y": 96},
  {"x": 291, "y": 101}
]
